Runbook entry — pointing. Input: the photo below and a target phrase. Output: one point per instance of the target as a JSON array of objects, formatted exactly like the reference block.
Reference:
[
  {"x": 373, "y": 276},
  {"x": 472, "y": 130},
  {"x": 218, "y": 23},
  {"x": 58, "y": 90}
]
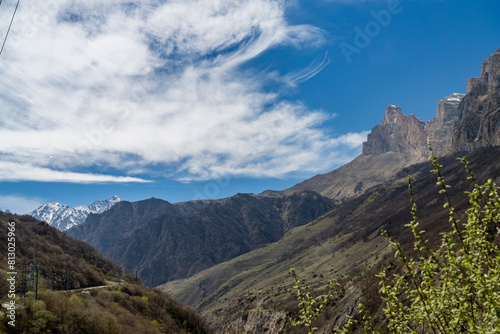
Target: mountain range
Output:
[
  {"x": 64, "y": 217},
  {"x": 229, "y": 258},
  {"x": 164, "y": 241}
]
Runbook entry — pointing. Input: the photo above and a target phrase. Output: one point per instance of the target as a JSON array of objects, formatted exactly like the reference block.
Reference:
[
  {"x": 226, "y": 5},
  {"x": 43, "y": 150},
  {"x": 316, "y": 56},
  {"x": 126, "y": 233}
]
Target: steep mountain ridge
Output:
[
  {"x": 478, "y": 121},
  {"x": 401, "y": 140},
  {"x": 104, "y": 230},
  {"x": 396, "y": 143},
  {"x": 164, "y": 241},
  {"x": 397, "y": 133},
  {"x": 408, "y": 134},
  {"x": 173, "y": 247},
  {"x": 462, "y": 123},
  {"x": 64, "y": 217},
  {"x": 355, "y": 177}
]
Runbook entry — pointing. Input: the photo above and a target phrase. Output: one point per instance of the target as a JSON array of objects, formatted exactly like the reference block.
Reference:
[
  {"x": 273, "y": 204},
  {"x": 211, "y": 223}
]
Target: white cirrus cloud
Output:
[
  {"x": 19, "y": 204},
  {"x": 20, "y": 171},
  {"x": 155, "y": 88}
]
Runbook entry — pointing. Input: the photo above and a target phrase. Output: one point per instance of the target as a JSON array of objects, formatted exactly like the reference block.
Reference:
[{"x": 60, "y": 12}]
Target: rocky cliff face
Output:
[
  {"x": 478, "y": 119},
  {"x": 398, "y": 142},
  {"x": 440, "y": 129},
  {"x": 408, "y": 135},
  {"x": 462, "y": 123},
  {"x": 398, "y": 133}
]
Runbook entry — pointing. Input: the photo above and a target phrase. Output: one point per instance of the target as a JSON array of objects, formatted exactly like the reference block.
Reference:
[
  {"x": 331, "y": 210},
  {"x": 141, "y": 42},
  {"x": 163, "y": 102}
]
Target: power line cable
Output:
[{"x": 10, "y": 25}]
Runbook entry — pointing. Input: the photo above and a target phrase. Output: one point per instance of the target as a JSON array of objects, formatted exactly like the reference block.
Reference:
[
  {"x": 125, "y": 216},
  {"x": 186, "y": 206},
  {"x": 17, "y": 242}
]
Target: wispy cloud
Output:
[
  {"x": 154, "y": 88},
  {"x": 12, "y": 171},
  {"x": 19, "y": 204},
  {"x": 299, "y": 76}
]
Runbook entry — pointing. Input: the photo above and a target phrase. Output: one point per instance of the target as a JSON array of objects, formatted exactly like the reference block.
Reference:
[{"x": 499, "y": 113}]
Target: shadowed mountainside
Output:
[
  {"x": 104, "y": 230},
  {"x": 170, "y": 247},
  {"x": 163, "y": 241}
]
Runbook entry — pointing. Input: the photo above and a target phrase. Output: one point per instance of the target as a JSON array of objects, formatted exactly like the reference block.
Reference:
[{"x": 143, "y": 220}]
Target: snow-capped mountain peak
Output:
[
  {"x": 64, "y": 217},
  {"x": 101, "y": 206}
]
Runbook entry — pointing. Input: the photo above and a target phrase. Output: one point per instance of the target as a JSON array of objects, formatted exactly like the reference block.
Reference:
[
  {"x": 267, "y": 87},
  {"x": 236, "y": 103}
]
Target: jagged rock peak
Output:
[
  {"x": 397, "y": 133},
  {"x": 462, "y": 122},
  {"x": 489, "y": 79},
  {"x": 440, "y": 129},
  {"x": 408, "y": 134},
  {"x": 478, "y": 121}
]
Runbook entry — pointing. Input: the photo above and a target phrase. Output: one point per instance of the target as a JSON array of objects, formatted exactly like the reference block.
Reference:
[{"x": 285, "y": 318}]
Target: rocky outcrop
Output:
[
  {"x": 462, "y": 123},
  {"x": 398, "y": 142},
  {"x": 398, "y": 133},
  {"x": 440, "y": 129},
  {"x": 257, "y": 322},
  {"x": 408, "y": 135},
  {"x": 478, "y": 119}
]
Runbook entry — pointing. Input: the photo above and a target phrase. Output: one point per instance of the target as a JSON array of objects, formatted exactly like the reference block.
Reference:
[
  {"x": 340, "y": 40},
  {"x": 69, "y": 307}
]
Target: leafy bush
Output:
[
  {"x": 308, "y": 311},
  {"x": 454, "y": 288}
]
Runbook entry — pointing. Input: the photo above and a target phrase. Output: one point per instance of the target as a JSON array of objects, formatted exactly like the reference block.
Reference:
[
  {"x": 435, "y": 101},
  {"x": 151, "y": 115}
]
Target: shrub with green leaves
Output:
[
  {"x": 454, "y": 288},
  {"x": 308, "y": 309}
]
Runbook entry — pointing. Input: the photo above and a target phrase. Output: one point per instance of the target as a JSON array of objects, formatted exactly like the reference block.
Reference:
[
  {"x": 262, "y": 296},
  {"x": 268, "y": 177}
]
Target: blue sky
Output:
[{"x": 189, "y": 99}]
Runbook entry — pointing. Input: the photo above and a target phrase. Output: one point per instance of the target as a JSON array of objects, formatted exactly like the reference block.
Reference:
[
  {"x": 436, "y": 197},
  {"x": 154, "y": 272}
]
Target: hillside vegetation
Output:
[
  {"x": 54, "y": 253},
  {"x": 451, "y": 288},
  {"x": 111, "y": 302}
]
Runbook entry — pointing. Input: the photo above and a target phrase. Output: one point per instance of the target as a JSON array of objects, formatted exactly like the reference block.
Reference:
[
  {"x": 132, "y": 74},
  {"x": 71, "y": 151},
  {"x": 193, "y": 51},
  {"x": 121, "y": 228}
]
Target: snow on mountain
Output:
[
  {"x": 455, "y": 97},
  {"x": 64, "y": 217}
]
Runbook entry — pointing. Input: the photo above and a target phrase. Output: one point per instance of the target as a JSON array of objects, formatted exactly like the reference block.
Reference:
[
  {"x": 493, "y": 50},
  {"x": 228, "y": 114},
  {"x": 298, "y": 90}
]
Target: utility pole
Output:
[
  {"x": 23, "y": 286},
  {"x": 31, "y": 286},
  {"x": 69, "y": 279},
  {"x": 50, "y": 275},
  {"x": 36, "y": 283}
]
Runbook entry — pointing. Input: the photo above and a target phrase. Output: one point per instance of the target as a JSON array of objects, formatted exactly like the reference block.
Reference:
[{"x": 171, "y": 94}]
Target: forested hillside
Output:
[{"x": 70, "y": 288}]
